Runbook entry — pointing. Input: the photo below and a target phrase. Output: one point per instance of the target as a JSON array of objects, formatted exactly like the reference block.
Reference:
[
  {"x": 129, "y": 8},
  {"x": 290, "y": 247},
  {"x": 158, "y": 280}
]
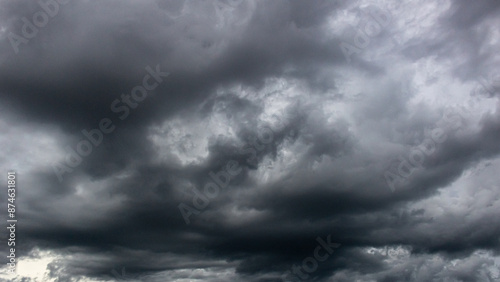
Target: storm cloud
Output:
[{"x": 248, "y": 140}]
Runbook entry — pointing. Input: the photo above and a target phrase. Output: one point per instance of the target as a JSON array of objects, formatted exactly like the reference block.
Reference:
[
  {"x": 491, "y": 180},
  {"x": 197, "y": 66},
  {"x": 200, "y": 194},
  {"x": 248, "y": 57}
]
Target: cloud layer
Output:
[{"x": 243, "y": 131}]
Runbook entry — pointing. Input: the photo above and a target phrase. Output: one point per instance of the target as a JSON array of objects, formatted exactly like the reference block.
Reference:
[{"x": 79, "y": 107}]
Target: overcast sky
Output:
[{"x": 242, "y": 140}]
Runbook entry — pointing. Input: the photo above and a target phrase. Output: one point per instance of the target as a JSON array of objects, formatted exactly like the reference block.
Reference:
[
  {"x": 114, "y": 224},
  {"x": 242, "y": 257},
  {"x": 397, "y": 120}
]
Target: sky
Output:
[{"x": 251, "y": 140}]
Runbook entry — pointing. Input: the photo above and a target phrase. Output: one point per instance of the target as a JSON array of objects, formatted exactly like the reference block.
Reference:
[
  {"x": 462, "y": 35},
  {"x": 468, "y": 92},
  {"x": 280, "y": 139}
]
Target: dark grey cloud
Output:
[{"x": 259, "y": 136}]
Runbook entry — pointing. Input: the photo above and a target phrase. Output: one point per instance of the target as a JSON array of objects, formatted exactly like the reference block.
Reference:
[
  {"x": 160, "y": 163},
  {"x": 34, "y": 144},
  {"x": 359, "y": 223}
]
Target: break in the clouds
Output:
[{"x": 242, "y": 140}]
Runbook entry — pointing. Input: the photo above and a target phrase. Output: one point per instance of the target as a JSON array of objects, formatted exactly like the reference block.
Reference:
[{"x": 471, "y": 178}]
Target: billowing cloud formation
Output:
[{"x": 242, "y": 140}]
